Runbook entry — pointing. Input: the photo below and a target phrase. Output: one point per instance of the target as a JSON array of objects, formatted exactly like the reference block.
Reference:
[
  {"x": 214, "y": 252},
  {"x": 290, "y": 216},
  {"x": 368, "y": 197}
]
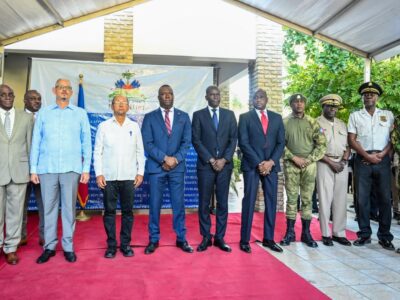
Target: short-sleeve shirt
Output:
[
  {"x": 373, "y": 132},
  {"x": 336, "y": 135}
]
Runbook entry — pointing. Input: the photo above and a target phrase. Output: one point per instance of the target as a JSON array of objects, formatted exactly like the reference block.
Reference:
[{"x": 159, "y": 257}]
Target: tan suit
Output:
[
  {"x": 14, "y": 170},
  {"x": 332, "y": 187}
]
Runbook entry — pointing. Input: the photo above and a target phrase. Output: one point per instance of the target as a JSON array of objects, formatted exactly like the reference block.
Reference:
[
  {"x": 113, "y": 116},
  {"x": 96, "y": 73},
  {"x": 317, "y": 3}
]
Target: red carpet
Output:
[{"x": 166, "y": 274}]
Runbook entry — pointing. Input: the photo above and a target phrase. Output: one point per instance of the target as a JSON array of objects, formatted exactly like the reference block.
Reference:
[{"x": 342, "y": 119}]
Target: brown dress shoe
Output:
[
  {"x": 23, "y": 242},
  {"x": 41, "y": 242},
  {"x": 12, "y": 258}
]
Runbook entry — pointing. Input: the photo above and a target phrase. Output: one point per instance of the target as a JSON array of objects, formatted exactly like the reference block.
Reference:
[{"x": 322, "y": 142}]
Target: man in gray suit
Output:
[
  {"x": 15, "y": 140},
  {"x": 32, "y": 104}
]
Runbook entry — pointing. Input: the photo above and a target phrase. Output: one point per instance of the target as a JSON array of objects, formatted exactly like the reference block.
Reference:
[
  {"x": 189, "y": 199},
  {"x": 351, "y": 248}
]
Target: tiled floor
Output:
[{"x": 341, "y": 272}]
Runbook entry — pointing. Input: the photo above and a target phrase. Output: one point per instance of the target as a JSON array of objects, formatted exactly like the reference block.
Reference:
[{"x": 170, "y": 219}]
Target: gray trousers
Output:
[
  {"x": 55, "y": 188},
  {"x": 12, "y": 197},
  {"x": 332, "y": 196},
  {"x": 38, "y": 197}
]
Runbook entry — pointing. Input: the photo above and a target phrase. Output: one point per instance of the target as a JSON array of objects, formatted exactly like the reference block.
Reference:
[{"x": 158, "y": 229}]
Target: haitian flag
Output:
[{"x": 83, "y": 188}]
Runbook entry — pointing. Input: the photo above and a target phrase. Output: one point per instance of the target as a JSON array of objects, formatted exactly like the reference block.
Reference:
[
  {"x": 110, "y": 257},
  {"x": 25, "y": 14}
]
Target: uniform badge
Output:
[{"x": 383, "y": 119}]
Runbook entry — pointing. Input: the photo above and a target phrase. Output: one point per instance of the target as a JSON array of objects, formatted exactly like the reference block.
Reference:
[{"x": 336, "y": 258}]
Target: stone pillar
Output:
[
  {"x": 118, "y": 37},
  {"x": 266, "y": 73},
  {"x": 224, "y": 90}
]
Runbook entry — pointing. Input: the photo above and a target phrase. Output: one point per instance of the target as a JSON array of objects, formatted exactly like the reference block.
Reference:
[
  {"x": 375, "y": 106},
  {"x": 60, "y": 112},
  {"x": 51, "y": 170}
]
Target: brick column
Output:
[
  {"x": 224, "y": 90},
  {"x": 266, "y": 73},
  {"x": 118, "y": 37}
]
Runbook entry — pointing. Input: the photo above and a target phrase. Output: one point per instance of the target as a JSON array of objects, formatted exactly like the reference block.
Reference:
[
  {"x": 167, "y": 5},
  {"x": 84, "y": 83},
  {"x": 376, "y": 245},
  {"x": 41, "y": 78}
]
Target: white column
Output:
[
  {"x": 367, "y": 69},
  {"x": 1, "y": 64}
]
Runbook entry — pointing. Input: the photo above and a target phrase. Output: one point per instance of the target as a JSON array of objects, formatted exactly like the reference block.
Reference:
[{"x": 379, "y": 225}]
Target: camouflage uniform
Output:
[
  {"x": 305, "y": 139},
  {"x": 395, "y": 139}
]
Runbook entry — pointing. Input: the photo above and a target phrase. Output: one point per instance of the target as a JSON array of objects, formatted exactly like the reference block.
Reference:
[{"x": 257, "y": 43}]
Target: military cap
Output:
[
  {"x": 370, "y": 87},
  {"x": 331, "y": 99},
  {"x": 297, "y": 97}
]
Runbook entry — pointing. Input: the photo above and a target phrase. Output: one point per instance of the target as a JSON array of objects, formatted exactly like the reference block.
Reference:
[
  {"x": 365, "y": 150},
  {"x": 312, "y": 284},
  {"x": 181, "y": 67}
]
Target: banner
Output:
[{"x": 140, "y": 84}]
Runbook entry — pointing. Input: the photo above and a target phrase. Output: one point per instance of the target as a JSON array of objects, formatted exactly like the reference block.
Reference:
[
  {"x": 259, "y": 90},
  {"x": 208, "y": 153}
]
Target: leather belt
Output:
[
  {"x": 333, "y": 156},
  {"x": 373, "y": 151}
]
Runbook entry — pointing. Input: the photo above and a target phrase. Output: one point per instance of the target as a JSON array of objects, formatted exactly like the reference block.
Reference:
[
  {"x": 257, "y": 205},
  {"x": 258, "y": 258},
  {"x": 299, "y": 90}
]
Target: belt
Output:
[
  {"x": 332, "y": 156},
  {"x": 373, "y": 151}
]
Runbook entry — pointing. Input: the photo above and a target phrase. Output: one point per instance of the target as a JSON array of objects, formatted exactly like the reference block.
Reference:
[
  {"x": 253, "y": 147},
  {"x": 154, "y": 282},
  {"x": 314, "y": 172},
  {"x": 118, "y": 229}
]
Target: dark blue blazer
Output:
[
  {"x": 211, "y": 143},
  {"x": 257, "y": 147},
  {"x": 157, "y": 143}
]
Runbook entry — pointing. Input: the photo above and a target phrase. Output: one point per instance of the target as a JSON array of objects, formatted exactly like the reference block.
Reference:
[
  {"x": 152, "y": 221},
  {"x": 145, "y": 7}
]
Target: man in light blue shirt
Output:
[{"x": 60, "y": 158}]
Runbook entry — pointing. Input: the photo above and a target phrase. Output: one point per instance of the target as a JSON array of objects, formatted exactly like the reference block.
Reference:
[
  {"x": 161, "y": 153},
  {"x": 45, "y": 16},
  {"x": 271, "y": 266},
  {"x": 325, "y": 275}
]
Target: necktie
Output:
[
  {"x": 264, "y": 121},
  {"x": 167, "y": 122},
  {"x": 215, "y": 118},
  {"x": 7, "y": 124}
]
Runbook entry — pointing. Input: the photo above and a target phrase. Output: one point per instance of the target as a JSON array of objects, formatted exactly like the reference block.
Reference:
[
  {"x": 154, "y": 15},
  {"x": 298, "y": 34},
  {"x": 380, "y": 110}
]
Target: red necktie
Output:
[
  {"x": 167, "y": 122},
  {"x": 264, "y": 121}
]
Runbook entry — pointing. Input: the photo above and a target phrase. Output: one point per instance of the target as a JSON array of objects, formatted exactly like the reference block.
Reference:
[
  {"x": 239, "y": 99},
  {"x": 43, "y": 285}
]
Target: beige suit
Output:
[
  {"x": 332, "y": 187},
  {"x": 14, "y": 170}
]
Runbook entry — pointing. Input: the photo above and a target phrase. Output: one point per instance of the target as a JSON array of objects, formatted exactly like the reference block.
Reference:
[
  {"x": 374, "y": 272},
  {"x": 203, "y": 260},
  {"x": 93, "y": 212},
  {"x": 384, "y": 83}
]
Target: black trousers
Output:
[
  {"x": 207, "y": 179},
  {"x": 378, "y": 177},
  {"x": 125, "y": 190}
]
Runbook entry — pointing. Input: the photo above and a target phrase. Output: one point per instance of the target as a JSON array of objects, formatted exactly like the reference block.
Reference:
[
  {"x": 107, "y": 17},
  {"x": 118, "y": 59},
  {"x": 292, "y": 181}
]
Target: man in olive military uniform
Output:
[
  {"x": 395, "y": 138},
  {"x": 369, "y": 135},
  {"x": 332, "y": 173},
  {"x": 305, "y": 144}
]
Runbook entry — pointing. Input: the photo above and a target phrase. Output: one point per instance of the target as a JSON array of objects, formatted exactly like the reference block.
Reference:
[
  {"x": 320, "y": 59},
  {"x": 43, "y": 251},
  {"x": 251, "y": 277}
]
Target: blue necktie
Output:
[{"x": 215, "y": 118}]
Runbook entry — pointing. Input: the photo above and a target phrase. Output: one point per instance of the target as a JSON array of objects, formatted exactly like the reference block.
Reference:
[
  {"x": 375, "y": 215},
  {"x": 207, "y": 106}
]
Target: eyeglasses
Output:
[
  {"x": 63, "y": 87},
  {"x": 121, "y": 103},
  {"x": 10, "y": 95}
]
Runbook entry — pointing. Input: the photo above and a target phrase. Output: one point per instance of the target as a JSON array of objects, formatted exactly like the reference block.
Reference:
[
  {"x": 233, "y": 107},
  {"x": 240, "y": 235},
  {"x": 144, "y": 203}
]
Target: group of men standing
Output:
[{"x": 313, "y": 150}]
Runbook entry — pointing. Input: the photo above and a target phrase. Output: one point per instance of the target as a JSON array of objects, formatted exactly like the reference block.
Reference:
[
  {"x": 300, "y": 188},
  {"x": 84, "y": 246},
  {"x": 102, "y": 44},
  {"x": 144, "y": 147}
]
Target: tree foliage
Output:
[{"x": 327, "y": 69}]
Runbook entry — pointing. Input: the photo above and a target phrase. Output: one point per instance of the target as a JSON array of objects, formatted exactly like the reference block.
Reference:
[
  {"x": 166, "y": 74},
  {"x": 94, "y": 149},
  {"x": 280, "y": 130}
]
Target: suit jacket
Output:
[
  {"x": 158, "y": 144},
  {"x": 257, "y": 147},
  {"x": 211, "y": 143},
  {"x": 14, "y": 163}
]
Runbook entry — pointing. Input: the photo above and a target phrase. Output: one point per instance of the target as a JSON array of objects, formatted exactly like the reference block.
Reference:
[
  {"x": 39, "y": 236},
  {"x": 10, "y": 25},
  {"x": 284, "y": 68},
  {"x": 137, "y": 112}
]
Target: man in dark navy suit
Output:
[
  {"x": 214, "y": 136},
  {"x": 262, "y": 141},
  {"x": 166, "y": 135}
]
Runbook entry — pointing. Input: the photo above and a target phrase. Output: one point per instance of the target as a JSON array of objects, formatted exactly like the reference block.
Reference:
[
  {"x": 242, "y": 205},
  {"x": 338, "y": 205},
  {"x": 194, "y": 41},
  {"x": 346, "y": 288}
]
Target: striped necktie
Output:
[
  {"x": 167, "y": 122},
  {"x": 7, "y": 124}
]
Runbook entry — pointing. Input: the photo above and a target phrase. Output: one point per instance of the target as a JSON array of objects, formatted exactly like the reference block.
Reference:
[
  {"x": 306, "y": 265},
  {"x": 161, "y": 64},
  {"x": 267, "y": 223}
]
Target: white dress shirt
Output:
[
  {"x": 118, "y": 151},
  {"x": 259, "y": 113},
  {"x": 373, "y": 132},
  {"x": 12, "y": 117},
  {"x": 170, "y": 115}
]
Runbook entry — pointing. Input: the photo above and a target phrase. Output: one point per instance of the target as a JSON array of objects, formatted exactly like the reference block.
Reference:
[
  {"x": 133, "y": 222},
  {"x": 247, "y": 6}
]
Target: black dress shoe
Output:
[
  {"x": 205, "y": 243},
  {"x": 386, "y": 245},
  {"x": 110, "y": 253},
  {"x": 245, "y": 247},
  {"x": 127, "y": 251},
  {"x": 220, "y": 243},
  {"x": 341, "y": 240},
  {"x": 327, "y": 241},
  {"x": 271, "y": 245},
  {"x": 151, "y": 247},
  {"x": 70, "y": 256},
  {"x": 361, "y": 241},
  {"x": 184, "y": 246},
  {"x": 45, "y": 256},
  {"x": 398, "y": 251}
]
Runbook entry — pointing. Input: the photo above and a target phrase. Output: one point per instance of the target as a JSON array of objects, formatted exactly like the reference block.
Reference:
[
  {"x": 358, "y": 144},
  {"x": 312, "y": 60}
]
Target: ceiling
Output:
[{"x": 368, "y": 28}]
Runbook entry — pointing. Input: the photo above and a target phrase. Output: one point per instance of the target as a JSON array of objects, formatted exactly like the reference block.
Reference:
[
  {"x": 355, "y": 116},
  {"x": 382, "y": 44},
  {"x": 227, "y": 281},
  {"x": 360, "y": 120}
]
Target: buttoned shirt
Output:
[
  {"x": 12, "y": 117},
  {"x": 31, "y": 112},
  {"x": 373, "y": 132},
  {"x": 336, "y": 135},
  {"x": 118, "y": 152},
  {"x": 61, "y": 141},
  {"x": 170, "y": 115}
]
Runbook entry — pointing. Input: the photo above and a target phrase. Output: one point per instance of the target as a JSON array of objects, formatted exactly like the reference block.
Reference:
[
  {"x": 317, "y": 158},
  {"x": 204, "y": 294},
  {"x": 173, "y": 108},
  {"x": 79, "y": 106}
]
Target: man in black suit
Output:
[
  {"x": 214, "y": 136},
  {"x": 262, "y": 141}
]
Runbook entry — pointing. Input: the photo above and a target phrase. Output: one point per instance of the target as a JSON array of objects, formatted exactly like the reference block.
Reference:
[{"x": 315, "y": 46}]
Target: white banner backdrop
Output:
[
  {"x": 101, "y": 80},
  {"x": 140, "y": 84}
]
